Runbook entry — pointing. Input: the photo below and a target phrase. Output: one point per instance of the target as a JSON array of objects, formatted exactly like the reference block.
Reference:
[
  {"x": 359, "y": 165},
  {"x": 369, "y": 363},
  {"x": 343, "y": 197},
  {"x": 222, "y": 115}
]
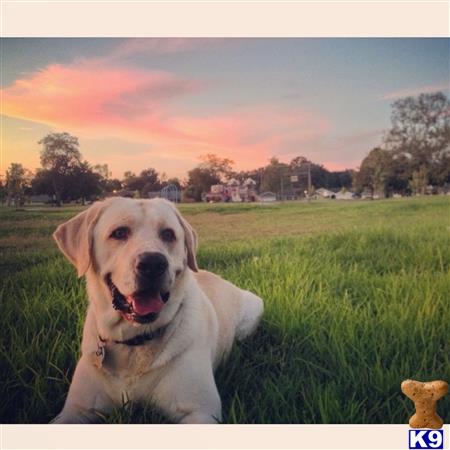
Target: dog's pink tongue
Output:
[{"x": 143, "y": 305}]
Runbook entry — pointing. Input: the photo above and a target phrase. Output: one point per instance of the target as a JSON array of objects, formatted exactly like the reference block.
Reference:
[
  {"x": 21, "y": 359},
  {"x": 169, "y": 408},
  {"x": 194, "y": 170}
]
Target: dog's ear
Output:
[
  {"x": 75, "y": 237},
  {"x": 190, "y": 239}
]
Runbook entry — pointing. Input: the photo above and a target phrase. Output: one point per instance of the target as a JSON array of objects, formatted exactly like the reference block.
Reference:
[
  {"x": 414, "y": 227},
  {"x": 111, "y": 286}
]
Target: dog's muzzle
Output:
[{"x": 143, "y": 306}]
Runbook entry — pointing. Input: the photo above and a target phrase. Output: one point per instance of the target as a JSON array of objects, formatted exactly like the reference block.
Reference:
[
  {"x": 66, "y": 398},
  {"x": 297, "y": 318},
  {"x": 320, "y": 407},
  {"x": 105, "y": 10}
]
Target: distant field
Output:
[{"x": 356, "y": 294}]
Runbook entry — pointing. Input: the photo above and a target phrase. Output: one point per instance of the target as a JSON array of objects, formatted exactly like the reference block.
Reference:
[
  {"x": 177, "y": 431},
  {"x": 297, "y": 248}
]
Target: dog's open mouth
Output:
[{"x": 141, "y": 306}]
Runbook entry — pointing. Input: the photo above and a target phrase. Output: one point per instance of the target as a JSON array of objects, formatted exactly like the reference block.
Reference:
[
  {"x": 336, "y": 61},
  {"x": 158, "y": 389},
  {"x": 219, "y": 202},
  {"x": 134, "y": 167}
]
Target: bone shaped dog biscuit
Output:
[{"x": 425, "y": 396}]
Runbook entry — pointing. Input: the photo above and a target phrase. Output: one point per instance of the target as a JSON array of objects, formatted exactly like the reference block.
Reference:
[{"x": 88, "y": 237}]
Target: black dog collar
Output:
[{"x": 140, "y": 339}]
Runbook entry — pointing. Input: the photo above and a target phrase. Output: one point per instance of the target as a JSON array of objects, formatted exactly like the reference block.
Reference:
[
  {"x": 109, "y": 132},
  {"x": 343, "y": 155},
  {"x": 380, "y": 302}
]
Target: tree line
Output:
[
  {"x": 414, "y": 153},
  {"x": 65, "y": 177}
]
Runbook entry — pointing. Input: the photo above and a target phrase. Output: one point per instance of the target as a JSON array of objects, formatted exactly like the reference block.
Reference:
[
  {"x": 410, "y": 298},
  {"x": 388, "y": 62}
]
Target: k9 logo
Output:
[{"x": 426, "y": 439}]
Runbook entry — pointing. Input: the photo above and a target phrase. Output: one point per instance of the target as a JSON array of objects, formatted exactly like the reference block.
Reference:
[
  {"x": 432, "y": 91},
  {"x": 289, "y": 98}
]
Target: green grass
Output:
[{"x": 356, "y": 300}]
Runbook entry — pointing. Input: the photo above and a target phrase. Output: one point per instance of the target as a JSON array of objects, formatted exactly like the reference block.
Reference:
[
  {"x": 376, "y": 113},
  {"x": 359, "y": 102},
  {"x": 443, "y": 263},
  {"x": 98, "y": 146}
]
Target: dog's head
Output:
[{"x": 137, "y": 248}]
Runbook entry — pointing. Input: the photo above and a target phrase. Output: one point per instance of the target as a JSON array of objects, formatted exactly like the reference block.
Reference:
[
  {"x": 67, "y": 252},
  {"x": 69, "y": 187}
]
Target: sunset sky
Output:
[{"x": 138, "y": 103}]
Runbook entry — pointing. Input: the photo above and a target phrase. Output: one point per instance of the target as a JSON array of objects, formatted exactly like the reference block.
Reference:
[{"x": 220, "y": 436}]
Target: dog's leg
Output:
[
  {"x": 252, "y": 308},
  {"x": 199, "y": 417},
  {"x": 87, "y": 399},
  {"x": 187, "y": 392}
]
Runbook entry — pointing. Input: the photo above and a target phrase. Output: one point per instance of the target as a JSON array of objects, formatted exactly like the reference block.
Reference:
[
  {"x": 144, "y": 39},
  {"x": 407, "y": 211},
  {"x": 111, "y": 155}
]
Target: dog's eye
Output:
[
  {"x": 167, "y": 235},
  {"x": 120, "y": 233}
]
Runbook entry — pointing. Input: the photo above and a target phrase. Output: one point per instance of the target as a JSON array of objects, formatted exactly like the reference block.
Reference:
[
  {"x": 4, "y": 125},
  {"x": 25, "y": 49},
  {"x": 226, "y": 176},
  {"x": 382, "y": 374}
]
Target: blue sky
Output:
[{"x": 137, "y": 103}]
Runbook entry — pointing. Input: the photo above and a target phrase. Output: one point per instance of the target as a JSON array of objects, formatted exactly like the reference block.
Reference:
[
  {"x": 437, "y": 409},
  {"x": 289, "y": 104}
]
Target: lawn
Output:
[{"x": 356, "y": 300}]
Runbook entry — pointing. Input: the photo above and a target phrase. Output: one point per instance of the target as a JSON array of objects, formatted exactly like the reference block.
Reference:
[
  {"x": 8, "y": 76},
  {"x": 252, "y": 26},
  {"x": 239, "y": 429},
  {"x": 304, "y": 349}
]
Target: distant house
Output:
[
  {"x": 367, "y": 195},
  {"x": 218, "y": 193},
  {"x": 248, "y": 190},
  {"x": 233, "y": 191},
  {"x": 325, "y": 193},
  {"x": 266, "y": 197},
  {"x": 345, "y": 195}
]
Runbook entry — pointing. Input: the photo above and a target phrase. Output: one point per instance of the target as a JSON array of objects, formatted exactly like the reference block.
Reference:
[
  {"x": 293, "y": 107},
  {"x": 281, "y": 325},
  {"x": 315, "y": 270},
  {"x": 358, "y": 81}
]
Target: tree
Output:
[
  {"x": 320, "y": 176},
  {"x": 416, "y": 149},
  {"x": 60, "y": 151},
  {"x": 81, "y": 183},
  {"x": 150, "y": 181},
  {"x": 86, "y": 183},
  {"x": 3, "y": 192},
  {"x": 213, "y": 170},
  {"x": 131, "y": 181},
  {"x": 383, "y": 172},
  {"x": 255, "y": 174},
  {"x": 275, "y": 176},
  {"x": 399, "y": 175},
  {"x": 111, "y": 185},
  {"x": 59, "y": 156},
  {"x": 221, "y": 168},
  {"x": 419, "y": 181},
  {"x": 199, "y": 181},
  {"x": 147, "y": 181},
  {"x": 339, "y": 179},
  {"x": 307, "y": 171},
  {"x": 17, "y": 183},
  {"x": 64, "y": 175},
  {"x": 421, "y": 130},
  {"x": 374, "y": 172},
  {"x": 175, "y": 181},
  {"x": 42, "y": 182},
  {"x": 103, "y": 170},
  {"x": 440, "y": 171}
]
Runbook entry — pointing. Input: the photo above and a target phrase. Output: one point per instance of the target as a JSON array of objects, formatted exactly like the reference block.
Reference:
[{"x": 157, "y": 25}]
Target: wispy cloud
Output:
[
  {"x": 98, "y": 100},
  {"x": 413, "y": 91},
  {"x": 91, "y": 96},
  {"x": 161, "y": 46}
]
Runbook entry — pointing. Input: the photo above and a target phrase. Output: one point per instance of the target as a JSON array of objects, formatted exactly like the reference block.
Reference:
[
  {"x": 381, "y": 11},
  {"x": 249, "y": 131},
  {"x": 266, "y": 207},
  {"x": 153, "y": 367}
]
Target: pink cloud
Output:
[
  {"x": 86, "y": 95},
  {"x": 94, "y": 100},
  {"x": 252, "y": 135}
]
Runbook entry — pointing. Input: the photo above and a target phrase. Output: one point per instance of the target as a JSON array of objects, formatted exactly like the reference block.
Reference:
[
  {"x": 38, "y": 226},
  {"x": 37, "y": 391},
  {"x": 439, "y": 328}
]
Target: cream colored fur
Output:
[{"x": 203, "y": 316}]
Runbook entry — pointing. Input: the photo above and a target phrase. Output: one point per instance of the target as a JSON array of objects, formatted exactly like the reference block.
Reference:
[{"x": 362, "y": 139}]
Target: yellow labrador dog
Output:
[{"x": 156, "y": 326}]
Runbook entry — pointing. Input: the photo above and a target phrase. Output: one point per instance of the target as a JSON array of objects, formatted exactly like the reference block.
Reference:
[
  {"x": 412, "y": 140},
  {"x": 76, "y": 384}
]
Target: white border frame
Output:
[
  {"x": 225, "y": 18},
  {"x": 115, "y": 437},
  {"x": 222, "y": 18}
]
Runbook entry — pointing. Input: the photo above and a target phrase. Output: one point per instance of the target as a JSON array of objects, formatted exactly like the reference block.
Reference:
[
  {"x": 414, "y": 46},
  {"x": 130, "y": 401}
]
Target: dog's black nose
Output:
[{"x": 151, "y": 264}]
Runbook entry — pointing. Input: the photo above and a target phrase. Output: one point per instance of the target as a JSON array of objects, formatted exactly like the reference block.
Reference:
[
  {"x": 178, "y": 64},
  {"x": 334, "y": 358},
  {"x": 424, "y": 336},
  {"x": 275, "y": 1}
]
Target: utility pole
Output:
[{"x": 309, "y": 179}]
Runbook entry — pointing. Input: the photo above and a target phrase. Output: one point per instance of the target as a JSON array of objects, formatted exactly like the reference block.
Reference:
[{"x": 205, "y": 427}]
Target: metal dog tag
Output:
[{"x": 100, "y": 353}]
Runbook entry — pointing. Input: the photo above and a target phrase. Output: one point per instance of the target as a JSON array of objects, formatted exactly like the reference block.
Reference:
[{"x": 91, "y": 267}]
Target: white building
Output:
[
  {"x": 345, "y": 195},
  {"x": 325, "y": 193}
]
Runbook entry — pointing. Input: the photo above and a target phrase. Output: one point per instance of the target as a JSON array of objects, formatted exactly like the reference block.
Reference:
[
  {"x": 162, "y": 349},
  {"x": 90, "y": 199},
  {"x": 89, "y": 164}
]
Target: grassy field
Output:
[{"x": 356, "y": 296}]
